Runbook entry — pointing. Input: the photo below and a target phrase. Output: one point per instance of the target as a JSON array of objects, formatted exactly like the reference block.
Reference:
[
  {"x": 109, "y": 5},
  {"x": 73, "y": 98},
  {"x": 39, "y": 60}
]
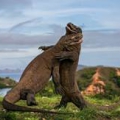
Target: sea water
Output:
[{"x": 14, "y": 76}]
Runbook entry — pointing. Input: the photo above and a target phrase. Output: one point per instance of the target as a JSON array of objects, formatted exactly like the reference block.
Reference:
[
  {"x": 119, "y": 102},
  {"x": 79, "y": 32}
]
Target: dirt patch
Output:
[{"x": 97, "y": 86}]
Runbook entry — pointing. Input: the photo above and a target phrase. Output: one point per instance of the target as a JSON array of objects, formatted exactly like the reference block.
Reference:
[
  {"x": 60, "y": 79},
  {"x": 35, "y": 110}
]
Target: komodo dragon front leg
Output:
[
  {"x": 55, "y": 72},
  {"x": 29, "y": 96},
  {"x": 65, "y": 99}
]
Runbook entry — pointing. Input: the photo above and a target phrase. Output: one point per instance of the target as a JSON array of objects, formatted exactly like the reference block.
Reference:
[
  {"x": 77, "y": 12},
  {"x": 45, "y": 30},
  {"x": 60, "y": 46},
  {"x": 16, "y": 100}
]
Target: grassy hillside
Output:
[
  {"x": 107, "y": 75},
  {"x": 96, "y": 110},
  {"x": 6, "y": 82}
]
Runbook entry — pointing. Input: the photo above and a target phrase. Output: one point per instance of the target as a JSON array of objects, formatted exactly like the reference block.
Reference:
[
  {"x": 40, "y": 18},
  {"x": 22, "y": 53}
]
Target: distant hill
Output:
[
  {"x": 7, "y": 70},
  {"x": 99, "y": 80},
  {"x": 81, "y": 67},
  {"x": 17, "y": 70}
]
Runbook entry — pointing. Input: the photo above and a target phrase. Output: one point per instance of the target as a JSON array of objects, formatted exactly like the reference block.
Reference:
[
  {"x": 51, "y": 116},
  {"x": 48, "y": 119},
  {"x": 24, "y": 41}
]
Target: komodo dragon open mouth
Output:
[{"x": 71, "y": 29}]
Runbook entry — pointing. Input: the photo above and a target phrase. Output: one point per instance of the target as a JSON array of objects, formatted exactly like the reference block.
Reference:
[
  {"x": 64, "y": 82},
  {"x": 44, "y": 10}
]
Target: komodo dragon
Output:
[
  {"x": 67, "y": 69},
  {"x": 36, "y": 75}
]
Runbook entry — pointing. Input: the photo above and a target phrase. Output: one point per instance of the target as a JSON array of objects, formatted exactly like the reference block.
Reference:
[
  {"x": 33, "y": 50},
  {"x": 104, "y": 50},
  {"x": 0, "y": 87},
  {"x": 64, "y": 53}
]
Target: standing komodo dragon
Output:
[
  {"x": 36, "y": 75},
  {"x": 67, "y": 69}
]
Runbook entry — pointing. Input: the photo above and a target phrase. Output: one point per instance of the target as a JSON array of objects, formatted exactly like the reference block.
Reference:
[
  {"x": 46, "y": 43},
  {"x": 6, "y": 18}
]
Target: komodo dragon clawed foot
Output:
[
  {"x": 78, "y": 100},
  {"x": 59, "y": 90},
  {"x": 63, "y": 102},
  {"x": 27, "y": 94}
]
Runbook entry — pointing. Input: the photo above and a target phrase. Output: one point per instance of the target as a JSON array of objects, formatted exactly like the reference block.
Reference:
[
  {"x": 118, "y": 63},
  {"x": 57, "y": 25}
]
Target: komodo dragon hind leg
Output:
[
  {"x": 78, "y": 100},
  {"x": 31, "y": 99},
  {"x": 29, "y": 96},
  {"x": 63, "y": 102}
]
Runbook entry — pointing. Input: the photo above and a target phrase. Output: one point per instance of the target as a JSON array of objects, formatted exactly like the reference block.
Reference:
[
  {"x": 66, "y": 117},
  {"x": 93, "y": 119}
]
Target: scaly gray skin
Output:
[
  {"x": 65, "y": 72},
  {"x": 35, "y": 77}
]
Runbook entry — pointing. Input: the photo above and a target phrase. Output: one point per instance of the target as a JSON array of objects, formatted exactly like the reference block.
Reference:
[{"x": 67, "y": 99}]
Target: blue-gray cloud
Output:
[
  {"x": 20, "y": 17},
  {"x": 95, "y": 39},
  {"x": 31, "y": 23},
  {"x": 95, "y": 14},
  {"x": 14, "y": 4},
  {"x": 92, "y": 39},
  {"x": 25, "y": 23}
]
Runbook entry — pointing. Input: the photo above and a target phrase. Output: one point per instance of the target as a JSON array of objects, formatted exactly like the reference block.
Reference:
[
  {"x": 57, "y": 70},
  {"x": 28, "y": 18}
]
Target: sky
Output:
[{"x": 27, "y": 24}]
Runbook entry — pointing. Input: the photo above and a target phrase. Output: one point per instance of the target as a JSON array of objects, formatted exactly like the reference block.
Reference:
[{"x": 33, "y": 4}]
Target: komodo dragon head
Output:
[
  {"x": 72, "y": 29},
  {"x": 72, "y": 39}
]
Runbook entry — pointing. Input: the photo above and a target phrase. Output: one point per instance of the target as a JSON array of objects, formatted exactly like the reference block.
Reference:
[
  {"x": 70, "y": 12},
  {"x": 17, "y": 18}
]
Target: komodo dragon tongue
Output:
[{"x": 12, "y": 107}]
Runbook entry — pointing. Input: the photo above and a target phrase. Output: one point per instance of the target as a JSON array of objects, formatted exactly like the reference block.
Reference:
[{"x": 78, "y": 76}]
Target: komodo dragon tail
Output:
[{"x": 12, "y": 107}]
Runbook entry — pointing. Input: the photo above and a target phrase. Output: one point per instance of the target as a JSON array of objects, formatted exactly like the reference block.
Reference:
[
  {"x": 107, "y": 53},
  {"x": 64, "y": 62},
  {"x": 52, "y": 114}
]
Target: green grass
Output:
[
  {"x": 48, "y": 103},
  {"x": 48, "y": 100}
]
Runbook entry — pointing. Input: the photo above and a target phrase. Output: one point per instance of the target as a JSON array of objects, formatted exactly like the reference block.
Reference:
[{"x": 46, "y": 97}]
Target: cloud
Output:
[
  {"x": 95, "y": 14},
  {"x": 28, "y": 22},
  {"x": 9, "y": 50},
  {"x": 104, "y": 49},
  {"x": 92, "y": 39},
  {"x": 17, "y": 58},
  {"x": 34, "y": 40},
  {"x": 12, "y": 12},
  {"x": 106, "y": 58},
  {"x": 19, "y": 53},
  {"x": 96, "y": 39},
  {"x": 14, "y": 4}
]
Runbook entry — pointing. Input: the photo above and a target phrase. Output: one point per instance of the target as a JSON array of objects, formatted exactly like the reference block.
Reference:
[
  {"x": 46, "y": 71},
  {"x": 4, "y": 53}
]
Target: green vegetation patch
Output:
[
  {"x": 44, "y": 102},
  {"x": 47, "y": 99},
  {"x": 6, "y": 82}
]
